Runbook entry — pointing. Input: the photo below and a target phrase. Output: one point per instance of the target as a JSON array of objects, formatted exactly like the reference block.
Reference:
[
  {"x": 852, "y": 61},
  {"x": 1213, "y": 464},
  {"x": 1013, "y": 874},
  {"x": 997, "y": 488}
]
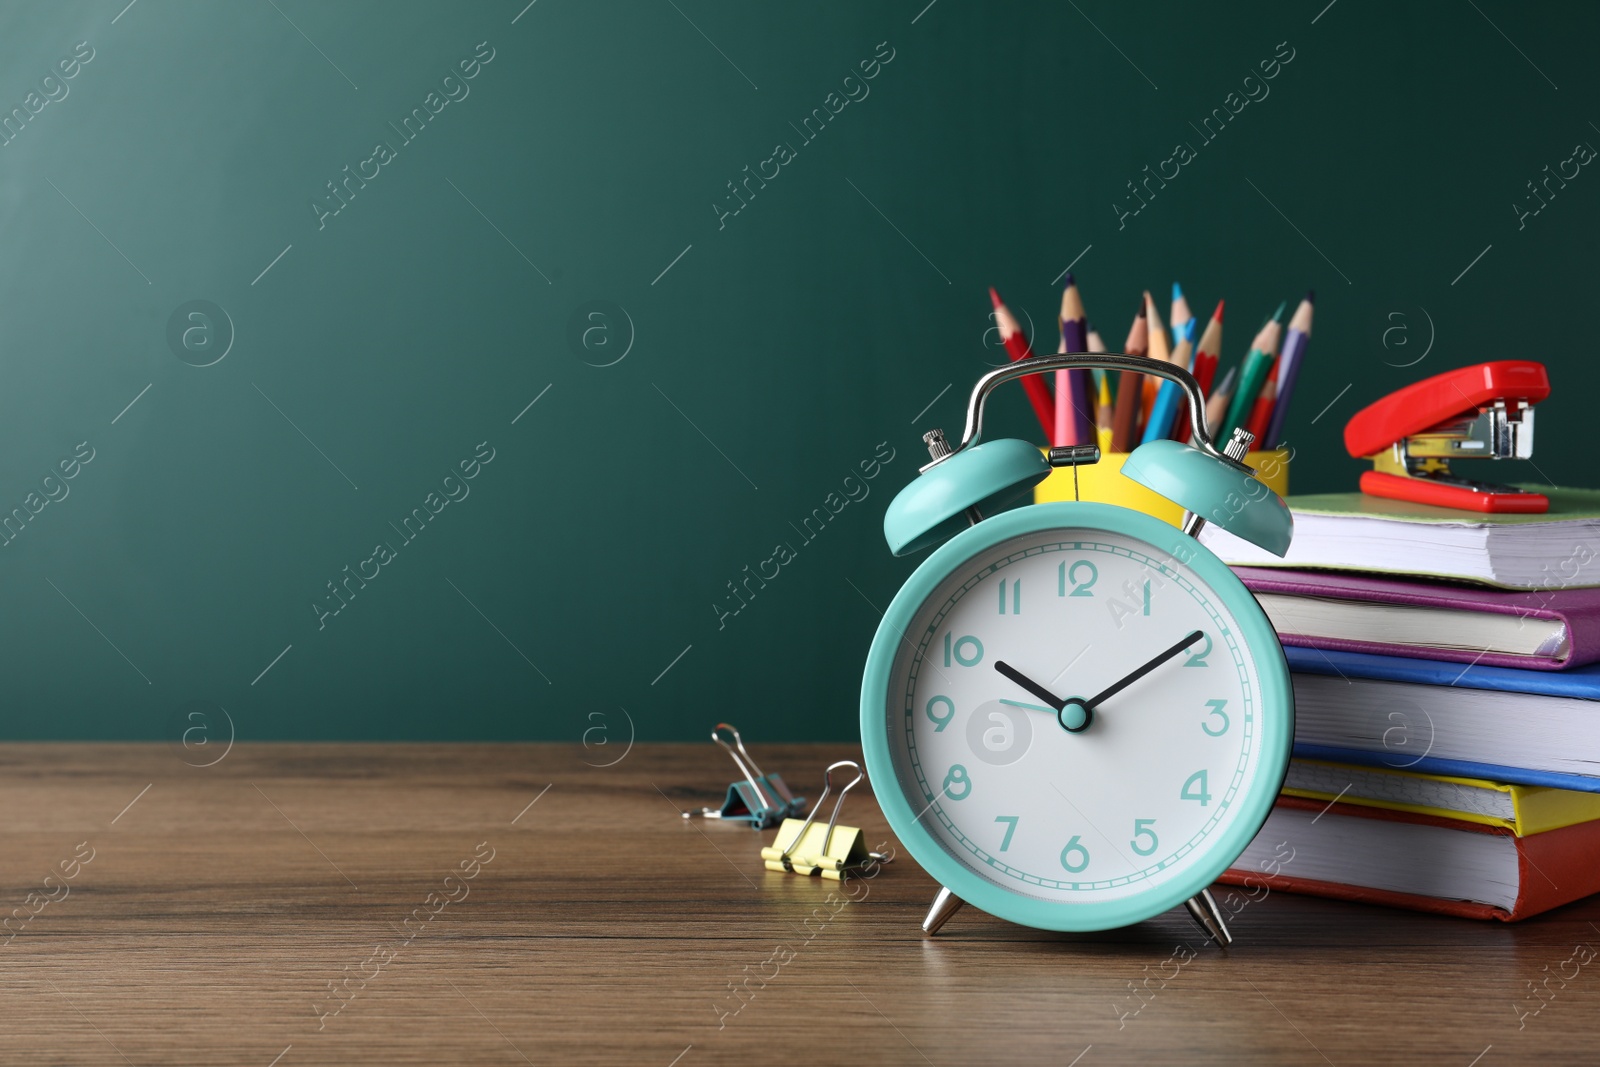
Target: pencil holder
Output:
[{"x": 1104, "y": 483}]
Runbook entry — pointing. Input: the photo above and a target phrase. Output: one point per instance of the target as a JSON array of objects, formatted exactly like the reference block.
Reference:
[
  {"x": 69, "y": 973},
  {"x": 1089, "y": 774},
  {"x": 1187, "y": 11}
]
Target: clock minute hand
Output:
[
  {"x": 1030, "y": 685},
  {"x": 1161, "y": 658}
]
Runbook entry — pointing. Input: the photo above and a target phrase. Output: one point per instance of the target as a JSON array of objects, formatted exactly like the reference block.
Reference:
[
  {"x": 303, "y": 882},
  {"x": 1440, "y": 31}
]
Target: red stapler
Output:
[{"x": 1412, "y": 434}]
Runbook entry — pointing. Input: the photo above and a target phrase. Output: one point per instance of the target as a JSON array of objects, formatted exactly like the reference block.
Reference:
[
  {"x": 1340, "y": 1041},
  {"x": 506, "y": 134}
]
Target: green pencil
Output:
[{"x": 1252, "y": 374}]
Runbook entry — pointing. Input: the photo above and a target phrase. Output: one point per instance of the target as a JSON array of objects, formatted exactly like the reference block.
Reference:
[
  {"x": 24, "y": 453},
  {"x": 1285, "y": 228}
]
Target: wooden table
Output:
[{"x": 218, "y": 905}]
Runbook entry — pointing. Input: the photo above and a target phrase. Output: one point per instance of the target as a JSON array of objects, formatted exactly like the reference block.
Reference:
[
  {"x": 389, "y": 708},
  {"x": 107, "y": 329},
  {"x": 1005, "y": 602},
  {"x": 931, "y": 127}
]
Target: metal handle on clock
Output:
[{"x": 1107, "y": 361}]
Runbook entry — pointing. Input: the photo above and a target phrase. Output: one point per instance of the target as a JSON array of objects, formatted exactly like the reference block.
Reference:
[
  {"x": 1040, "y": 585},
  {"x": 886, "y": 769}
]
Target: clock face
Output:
[{"x": 1141, "y": 796}]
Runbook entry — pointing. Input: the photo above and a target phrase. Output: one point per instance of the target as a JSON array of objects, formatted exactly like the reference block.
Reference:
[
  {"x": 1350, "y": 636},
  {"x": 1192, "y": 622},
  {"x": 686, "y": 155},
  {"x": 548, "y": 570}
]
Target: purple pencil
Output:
[
  {"x": 1074, "y": 400},
  {"x": 1289, "y": 360}
]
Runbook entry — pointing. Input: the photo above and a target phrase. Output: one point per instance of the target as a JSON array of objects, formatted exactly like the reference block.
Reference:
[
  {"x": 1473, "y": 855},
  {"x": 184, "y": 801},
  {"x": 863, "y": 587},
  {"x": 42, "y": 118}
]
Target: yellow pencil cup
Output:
[{"x": 1103, "y": 482}]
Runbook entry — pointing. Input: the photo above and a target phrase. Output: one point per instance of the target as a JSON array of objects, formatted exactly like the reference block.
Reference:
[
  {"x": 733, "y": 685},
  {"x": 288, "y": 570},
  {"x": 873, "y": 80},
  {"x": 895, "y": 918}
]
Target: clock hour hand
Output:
[
  {"x": 1029, "y": 684},
  {"x": 1159, "y": 659}
]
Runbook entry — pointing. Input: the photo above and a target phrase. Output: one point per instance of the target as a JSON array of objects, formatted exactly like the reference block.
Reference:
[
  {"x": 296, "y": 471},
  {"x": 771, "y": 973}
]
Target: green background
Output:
[{"x": 771, "y": 352}]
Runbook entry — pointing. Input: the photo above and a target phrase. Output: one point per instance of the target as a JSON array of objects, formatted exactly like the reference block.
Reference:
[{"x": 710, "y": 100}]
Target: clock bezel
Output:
[{"x": 1276, "y": 723}]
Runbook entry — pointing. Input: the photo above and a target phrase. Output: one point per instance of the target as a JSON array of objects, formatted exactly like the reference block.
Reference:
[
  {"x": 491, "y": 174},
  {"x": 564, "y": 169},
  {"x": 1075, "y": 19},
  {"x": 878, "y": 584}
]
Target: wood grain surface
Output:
[{"x": 576, "y": 919}]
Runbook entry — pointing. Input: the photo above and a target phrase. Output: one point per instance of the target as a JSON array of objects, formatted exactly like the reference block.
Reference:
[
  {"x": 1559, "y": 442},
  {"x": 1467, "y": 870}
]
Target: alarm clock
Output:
[{"x": 1075, "y": 716}]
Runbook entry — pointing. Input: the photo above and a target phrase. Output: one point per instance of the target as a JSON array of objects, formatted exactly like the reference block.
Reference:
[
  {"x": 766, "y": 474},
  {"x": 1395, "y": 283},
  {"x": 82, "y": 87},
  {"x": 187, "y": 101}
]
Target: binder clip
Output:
[
  {"x": 1412, "y": 434},
  {"x": 760, "y": 800},
  {"x": 832, "y": 853}
]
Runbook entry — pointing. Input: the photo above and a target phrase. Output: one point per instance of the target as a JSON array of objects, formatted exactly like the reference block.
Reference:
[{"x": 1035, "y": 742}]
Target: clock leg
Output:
[
  {"x": 1205, "y": 912},
  {"x": 945, "y": 905}
]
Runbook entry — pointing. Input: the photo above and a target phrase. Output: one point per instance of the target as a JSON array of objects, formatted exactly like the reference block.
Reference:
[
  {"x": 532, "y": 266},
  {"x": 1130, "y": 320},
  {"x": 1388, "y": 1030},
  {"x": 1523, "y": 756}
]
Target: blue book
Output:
[{"x": 1539, "y": 728}]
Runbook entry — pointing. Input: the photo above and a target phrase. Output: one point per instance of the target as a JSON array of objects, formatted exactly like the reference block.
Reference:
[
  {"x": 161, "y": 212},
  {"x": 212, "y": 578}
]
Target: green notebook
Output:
[{"x": 1353, "y": 531}]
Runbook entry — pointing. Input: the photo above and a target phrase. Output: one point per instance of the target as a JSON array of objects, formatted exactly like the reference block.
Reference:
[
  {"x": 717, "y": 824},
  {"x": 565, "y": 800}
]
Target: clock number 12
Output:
[{"x": 1082, "y": 575}]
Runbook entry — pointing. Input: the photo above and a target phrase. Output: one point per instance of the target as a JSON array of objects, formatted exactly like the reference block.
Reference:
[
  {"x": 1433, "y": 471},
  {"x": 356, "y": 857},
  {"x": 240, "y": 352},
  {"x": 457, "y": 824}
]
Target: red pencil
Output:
[
  {"x": 1017, "y": 348},
  {"x": 1261, "y": 414},
  {"x": 1206, "y": 357}
]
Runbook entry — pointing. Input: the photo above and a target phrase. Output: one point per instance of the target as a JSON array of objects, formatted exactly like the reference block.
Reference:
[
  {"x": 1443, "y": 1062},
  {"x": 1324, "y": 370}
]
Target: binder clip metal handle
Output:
[
  {"x": 743, "y": 760},
  {"x": 827, "y": 861},
  {"x": 833, "y": 820},
  {"x": 768, "y": 799}
]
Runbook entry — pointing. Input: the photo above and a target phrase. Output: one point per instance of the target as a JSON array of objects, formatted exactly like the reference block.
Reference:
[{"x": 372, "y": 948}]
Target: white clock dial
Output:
[{"x": 1125, "y": 804}]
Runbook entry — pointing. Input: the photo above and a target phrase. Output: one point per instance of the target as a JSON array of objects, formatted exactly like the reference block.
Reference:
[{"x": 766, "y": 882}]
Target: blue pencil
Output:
[{"x": 1165, "y": 410}]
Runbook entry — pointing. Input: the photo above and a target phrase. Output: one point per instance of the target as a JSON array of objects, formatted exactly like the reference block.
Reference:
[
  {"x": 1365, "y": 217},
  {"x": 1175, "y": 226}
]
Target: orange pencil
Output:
[
  {"x": 1017, "y": 348},
  {"x": 1130, "y": 386}
]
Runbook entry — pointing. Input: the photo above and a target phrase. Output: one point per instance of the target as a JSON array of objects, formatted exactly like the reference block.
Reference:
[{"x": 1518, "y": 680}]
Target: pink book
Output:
[{"x": 1540, "y": 629}]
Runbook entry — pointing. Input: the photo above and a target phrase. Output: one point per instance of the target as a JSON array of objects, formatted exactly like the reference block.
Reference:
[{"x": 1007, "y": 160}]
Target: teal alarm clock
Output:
[{"x": 1075, "y": 716}]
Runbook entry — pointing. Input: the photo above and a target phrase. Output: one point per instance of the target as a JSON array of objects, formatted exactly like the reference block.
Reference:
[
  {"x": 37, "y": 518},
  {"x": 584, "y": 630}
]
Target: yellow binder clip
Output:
[{"x": 831, "y": 852}]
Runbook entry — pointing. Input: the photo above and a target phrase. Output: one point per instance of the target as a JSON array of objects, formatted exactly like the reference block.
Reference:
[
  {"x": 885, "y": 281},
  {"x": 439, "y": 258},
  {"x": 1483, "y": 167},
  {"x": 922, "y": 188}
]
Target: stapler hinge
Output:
[{"x": 1499, "y": 431}]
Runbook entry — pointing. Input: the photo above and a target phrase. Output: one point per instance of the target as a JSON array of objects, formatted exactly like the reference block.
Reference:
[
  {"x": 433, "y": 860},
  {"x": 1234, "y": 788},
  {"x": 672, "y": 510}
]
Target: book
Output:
[
  {"x": 1548, "y": 629},
  {"x": 1354, "y": 531},
  {"x": 1522, "y": 809},
  {"x": 1407, "y": 860},
  {"x": 1505, "y": 725}
]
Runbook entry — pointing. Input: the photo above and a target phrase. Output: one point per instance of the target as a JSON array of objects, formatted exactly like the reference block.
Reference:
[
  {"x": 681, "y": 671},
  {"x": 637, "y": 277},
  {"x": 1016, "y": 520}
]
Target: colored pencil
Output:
[
  {"x": 1017, "y": 348},
  {"x": 1074, "y": 402},
  {"x": 1294, "y": 350},
  {"x": 1160, "y": 346},
  {"x": 1206, "y": 356},
  {"x": 1261, "y": 413},
  {"x": 1130, "y": 386},
  {"x": 1208, "y": 353},
  {"x": 1102, "y": 389},
  {"x": 1218, "y": 404},
  {"x": 1103, "y": 413},
  {"x": 1160, "y": 349},
  {"x": 1252, "y": 373},
  {"x": 1103, "y": 410},
  {"x": 1165, "y": 409},
  {"x": 1181, "y": 316}
]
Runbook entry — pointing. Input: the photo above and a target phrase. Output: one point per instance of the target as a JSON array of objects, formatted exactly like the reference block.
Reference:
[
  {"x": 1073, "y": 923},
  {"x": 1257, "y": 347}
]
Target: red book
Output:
[
  {"x": 1421, "y": 862},
  {"x": 1018, "y": 348}
]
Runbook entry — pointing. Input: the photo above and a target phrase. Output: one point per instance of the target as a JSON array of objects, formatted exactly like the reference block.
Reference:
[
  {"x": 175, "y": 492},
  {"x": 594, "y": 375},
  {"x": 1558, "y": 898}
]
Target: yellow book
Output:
[{"x": 1524, "y": 809}]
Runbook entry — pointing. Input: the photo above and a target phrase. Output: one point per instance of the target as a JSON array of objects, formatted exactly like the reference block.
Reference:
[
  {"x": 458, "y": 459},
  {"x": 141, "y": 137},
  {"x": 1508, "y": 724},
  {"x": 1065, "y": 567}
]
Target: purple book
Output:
[{"x": 1541, "y": 629}]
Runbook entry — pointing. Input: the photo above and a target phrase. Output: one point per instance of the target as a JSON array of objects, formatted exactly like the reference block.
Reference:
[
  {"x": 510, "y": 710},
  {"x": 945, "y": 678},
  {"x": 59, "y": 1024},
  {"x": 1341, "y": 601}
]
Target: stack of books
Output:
[{"x": 1446, "y": 670}]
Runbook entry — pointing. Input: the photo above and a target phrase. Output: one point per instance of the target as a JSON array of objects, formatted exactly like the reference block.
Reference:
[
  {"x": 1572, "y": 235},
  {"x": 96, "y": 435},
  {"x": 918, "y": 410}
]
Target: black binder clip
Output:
[{"x": 762, "y": 800}]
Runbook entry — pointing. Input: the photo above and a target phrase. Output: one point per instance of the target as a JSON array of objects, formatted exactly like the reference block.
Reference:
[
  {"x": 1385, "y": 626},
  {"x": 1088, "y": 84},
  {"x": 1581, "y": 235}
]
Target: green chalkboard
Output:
[{"x": 446, "y": 370}]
